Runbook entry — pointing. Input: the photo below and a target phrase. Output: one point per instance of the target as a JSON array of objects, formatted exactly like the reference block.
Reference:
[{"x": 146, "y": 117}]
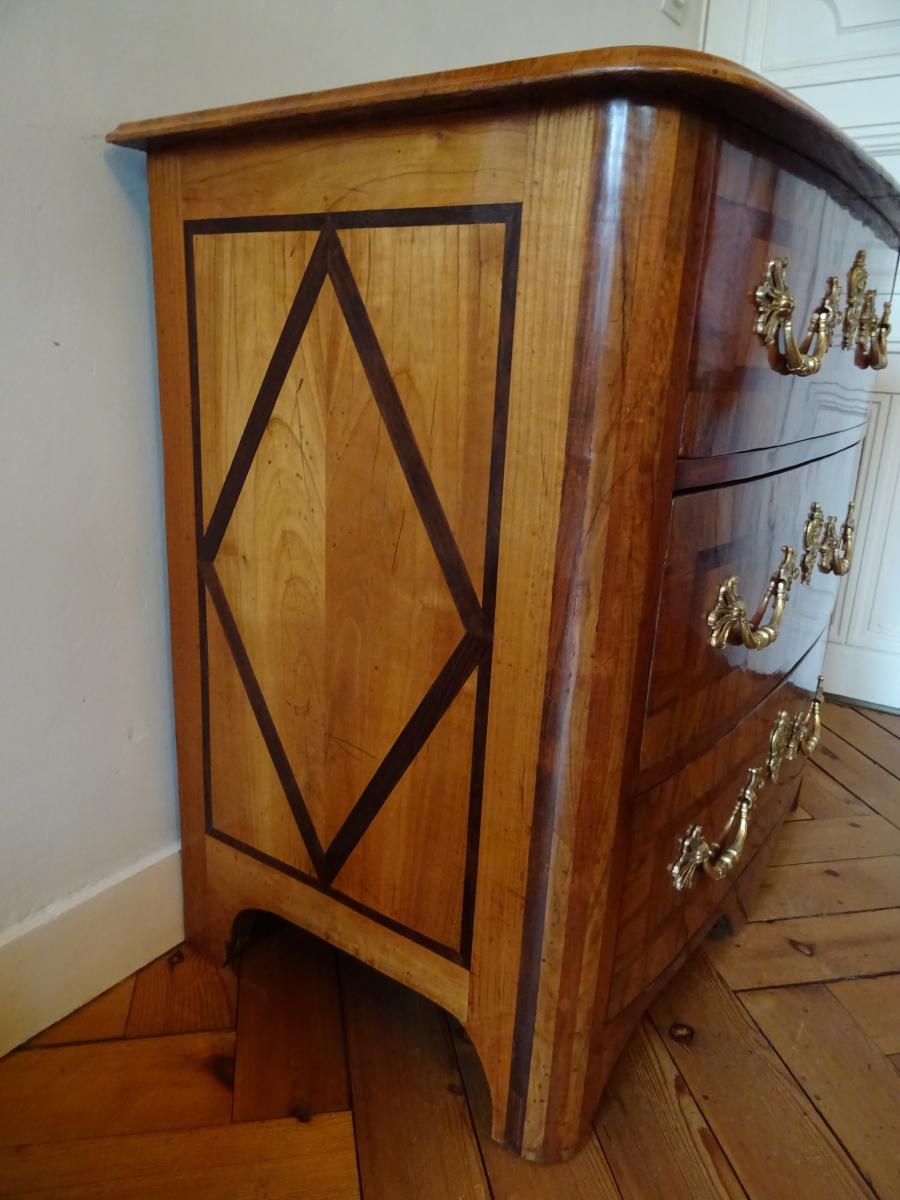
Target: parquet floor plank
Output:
[
  {"x": 798, "y": 814},
  {"x": 98, "y": 1020},
  {"x": 850, "y": 1081},
  {"x": 816, "y": 889},
  {"x": 414, "y": 1132},
  {"x": 290, "y": 1033},
  {"x": 101, "y": 1088},
  {"x": 888, "y": 721},
  {"x": 265, "y": 1160},
  {"x": 874, "y": 1005},
  {"x": 835, "y": 837},
  {"x": 864, "y": 735},
  {"x": 653, "y": 1134},
  {"x": 822, "y": 796},
  {"x": 810, "y": 949},
  {"x": 864, "y": 778},
  {"x": 775, "y": 1140},
  {"x": 182, "y": 992}
]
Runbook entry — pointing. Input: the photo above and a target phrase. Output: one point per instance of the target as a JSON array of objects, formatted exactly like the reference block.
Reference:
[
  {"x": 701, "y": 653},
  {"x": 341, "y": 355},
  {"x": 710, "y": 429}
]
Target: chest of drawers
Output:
[{"x": 507, "y": 500}]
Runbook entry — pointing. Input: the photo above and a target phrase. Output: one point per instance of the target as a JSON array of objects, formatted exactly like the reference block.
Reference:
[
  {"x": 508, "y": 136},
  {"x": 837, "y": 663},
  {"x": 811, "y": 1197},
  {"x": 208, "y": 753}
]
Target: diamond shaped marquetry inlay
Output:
[{"x": 350, "y": 393}]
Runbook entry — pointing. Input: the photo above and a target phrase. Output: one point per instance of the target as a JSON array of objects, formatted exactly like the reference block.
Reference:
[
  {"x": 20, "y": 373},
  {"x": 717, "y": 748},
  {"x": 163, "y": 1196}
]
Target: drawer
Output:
[
  {"x": 699, "y": 691},
  {"x": 656, "y": 919},
  {"x": 739, "y": 396}
]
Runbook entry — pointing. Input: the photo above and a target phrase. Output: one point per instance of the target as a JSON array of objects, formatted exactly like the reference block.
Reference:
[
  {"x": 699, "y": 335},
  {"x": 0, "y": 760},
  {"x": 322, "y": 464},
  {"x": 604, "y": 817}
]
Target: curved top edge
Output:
[{"x": 717, "y": 84}]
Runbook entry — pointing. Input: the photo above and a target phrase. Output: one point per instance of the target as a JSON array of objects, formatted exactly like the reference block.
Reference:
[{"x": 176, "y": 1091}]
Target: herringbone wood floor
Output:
[{"x": 767, "y": 1069}]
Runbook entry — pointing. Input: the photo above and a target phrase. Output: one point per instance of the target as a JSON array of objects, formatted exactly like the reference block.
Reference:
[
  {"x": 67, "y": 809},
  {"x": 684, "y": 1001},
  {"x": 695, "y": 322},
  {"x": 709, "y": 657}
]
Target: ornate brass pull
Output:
[
  {"x": 862, "y": 327},
  {"x": 775, "y": 307},
  {"x": 789, "y": 736},
  {"x": 836, "y": 553},
  {"x": 813, "y": 532},
  {"x": 857, "y": 278},
  {"x": 822, "y": 545},
  {"x": 782, "y": 747},
  {"x": 807, "y": 727},
  {"x": 694, "y": 851},
  {"x": 871, "y": 341},
  {"x": 728, "y": 620}
]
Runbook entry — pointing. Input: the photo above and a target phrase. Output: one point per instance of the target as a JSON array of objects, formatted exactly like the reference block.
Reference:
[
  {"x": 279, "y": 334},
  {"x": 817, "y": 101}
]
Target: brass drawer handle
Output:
[
  {"x": 728, "y": 621},
  {"x": 807, "y": 727},
  {"x": 694, "y": 851},
  {"x": 872, "y": 338},
  {"x": 836, "y": 553},
  {"x": 789, "y": 736},
  {"x": 813, "y": 532},
  {"x": 823, "y": 546},
  {"x": 775, "y": 307},
  {"x": 863, "y": 331}
]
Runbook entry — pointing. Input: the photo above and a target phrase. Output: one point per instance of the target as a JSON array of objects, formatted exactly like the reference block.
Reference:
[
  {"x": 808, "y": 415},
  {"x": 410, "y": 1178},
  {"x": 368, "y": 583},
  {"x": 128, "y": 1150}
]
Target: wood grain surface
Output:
[
  {"x": 291, "y": 1059},
  {"x": 182, "y": 992},
  {"x": 556, "y": 214},
  {"x": 779, "y": 1146},
  {"x": 345, "y": 602},
  {"x": 414, "y": 1130},
  {"x": 182, "y": 494},
  {"x": 264, "y": 1160},
  {"x": 855, "y": 1087},
  {"x": 652, "y": 1132},
  {"x": 104, "y": 1017},
  {"x": 84, "y": 1090},
  {"x": 619, "y": 446}
]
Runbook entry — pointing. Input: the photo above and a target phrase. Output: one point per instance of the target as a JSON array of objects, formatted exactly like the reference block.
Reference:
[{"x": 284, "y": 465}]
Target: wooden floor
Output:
[{"x": 768, "y": 1068}]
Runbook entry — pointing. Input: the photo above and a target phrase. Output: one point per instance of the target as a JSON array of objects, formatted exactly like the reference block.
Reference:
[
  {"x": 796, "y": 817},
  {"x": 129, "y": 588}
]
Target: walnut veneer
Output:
[{"x": 466, "y": 422}]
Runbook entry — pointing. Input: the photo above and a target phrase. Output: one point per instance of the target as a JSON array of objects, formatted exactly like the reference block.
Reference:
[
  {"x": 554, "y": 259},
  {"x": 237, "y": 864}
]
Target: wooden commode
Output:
[{"x": 511, "y": 421}]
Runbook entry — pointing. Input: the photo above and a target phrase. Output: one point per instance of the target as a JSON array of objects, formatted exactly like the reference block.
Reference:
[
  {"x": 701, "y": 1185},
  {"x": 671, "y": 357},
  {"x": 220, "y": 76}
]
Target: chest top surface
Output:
[{"x": 714, "y": 84}]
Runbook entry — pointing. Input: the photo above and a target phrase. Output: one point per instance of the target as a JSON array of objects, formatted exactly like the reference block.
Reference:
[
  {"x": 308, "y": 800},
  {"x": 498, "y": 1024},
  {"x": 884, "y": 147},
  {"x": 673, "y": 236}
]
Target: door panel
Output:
[{"x": 351, "y": 449}]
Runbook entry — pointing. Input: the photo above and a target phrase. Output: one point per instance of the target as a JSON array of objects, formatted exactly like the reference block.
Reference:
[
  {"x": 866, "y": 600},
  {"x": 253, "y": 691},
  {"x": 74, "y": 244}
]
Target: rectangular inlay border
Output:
[{"x": 475, "y": 651}]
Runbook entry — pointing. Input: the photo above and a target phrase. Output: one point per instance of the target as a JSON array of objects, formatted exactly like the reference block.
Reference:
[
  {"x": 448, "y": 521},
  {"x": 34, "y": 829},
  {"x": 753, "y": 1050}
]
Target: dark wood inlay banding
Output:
[
  {"x": 474, "y": 650},
  {"x": 421, "y": 939},
  {"x": 368, "y": 218},
  {"x": 491, "y": 557},
  {"x": 459, "y": 666},
  {"x": 267, "y": 396},
  {"x": 264, "y": 717},
  {"x": 403, "y": 440}
]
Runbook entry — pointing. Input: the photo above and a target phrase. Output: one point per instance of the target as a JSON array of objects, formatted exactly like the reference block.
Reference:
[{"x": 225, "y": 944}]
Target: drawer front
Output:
[
  {"x": 698, "y": 691},
  {"x": 740, "y": 395},
  {"x": 656, "y": 919}
]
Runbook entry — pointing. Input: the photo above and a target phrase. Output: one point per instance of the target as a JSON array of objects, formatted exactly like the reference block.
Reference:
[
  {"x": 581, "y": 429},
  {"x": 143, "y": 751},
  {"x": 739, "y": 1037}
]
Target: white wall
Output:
[{"x": 87, "y": 768}]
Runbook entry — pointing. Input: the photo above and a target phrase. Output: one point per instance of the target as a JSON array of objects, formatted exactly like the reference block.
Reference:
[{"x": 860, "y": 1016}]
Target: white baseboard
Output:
[{"x": 61, "y": 957}]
